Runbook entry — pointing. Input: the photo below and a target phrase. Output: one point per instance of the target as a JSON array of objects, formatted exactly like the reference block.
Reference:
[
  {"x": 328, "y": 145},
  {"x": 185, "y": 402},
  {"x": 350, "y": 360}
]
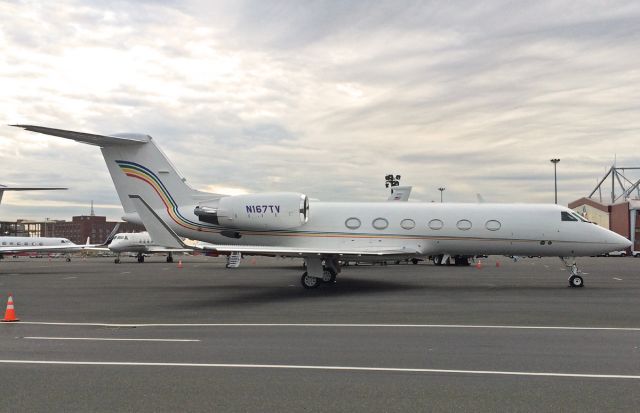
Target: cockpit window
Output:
[
  {"x": 566, "y": 216},
  {"x": 580, "y": 217}
]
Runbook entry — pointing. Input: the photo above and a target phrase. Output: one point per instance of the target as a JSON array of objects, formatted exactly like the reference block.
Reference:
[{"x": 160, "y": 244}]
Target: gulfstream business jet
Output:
[{"x": 324, "y": 233}]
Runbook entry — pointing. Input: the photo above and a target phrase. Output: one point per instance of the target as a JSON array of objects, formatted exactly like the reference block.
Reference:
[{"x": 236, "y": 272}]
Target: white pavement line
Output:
[
  {"x": 617, "y": 279},
  {"x": 330, "y": 368},
  {"x": 109, "y": 339},
  {"x": 311, "y": 325}
]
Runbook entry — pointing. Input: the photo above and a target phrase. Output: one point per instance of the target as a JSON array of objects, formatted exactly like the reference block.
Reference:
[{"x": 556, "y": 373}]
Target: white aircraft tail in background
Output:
[{"x": 4, "y": 188}]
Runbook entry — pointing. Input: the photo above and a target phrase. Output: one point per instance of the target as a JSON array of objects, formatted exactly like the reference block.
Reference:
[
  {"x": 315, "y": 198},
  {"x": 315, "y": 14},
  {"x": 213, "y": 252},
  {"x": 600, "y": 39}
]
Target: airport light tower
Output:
[
  {"x": 391, "y": 180},
  {"x": 555, "y": 161},
  {"x": 441, "y": 189}
]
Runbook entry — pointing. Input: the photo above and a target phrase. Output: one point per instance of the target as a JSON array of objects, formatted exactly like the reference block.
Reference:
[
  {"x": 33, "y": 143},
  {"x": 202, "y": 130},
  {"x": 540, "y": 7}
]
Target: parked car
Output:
[{"x": 616, "y": 254}]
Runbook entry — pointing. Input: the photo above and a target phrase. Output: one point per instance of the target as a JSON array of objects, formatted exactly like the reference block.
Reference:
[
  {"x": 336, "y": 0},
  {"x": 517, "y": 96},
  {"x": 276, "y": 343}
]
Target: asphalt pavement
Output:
[{"x": 509, "y": 336}]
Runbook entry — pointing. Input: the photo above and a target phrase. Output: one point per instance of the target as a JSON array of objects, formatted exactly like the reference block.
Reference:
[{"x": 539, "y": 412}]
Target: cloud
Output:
[{"x": 323, "y": 97}]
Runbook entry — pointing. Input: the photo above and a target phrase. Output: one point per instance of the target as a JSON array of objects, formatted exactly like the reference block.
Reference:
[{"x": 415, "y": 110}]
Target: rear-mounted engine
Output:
[{"x": 267, "y": 211}]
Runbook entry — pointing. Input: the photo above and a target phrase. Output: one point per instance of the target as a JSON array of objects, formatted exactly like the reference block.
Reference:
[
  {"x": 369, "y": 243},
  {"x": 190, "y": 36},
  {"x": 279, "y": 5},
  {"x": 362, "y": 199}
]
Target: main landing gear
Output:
[
  {"x": 140, "y": 257},
  {"x": 575, "y": 279},
  {"x": 117, "y": 260},
  {"x": 318, "y": 274},
  {"x": 170, "y": 258}
]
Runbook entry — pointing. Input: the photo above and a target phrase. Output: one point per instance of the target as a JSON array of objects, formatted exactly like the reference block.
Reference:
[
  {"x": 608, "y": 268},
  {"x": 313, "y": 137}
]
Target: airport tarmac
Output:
[{"x": 96, "y": 336}]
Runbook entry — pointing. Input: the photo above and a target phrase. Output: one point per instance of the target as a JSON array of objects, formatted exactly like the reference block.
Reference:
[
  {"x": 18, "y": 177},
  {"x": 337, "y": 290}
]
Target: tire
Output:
[
  {"x": 415, "y": 261},
  {"x": 576, "y": 281},
  {"x": 117, "y": 261},
  {"x": 309, "y": 282},
  {"x": 437, "y": 259},
  {"x": 169, "y": 259},
  {"x": 328, "y": 276}
]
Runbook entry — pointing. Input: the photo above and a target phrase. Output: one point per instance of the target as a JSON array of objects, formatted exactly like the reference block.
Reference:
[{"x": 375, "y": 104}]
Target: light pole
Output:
[
  {"x": 555, "y": 161},
  {"x": 441, "y": 189}
]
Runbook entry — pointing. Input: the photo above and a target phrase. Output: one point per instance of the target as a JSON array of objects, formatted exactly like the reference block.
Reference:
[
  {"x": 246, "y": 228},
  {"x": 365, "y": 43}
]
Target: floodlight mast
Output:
[{"x": 555, "y": 161}]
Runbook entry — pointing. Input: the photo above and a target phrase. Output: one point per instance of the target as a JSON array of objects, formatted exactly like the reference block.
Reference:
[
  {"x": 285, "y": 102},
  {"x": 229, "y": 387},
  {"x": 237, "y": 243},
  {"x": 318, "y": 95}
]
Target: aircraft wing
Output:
[
  {"x": 159, "y": 249},
  {"x": 299, "y": 251}
]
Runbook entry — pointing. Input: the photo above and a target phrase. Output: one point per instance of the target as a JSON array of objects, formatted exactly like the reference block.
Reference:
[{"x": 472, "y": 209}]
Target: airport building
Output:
[
  {"x": 619, "y": 209},
  {"x": 97, "y": 228}
]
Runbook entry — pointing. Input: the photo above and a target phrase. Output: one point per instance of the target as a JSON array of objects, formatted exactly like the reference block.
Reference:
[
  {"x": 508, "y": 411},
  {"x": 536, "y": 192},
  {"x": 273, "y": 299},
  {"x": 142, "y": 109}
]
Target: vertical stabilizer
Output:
[{"x": 137, "y": 166}]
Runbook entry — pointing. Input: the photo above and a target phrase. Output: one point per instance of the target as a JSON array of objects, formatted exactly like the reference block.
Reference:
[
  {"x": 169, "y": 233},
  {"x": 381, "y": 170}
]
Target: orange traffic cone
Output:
[
  {"x": 479, "y": 264},
  {"x": 10, "y": 314},
  {"x": 179, "y": 263},
  {"x": 498, "y": 264}
]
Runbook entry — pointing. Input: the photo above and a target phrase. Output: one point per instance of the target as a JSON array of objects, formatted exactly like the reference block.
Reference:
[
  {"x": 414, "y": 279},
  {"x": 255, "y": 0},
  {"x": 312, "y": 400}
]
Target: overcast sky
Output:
[{"x": 322, "y": 97}]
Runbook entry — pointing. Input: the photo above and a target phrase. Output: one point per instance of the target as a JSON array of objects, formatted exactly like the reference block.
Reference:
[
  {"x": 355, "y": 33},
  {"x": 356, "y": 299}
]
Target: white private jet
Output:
[
  {"x": 323, "y": 233},
  {"x": 140, "y": 243},
  {"x": 16, "y": 245}
]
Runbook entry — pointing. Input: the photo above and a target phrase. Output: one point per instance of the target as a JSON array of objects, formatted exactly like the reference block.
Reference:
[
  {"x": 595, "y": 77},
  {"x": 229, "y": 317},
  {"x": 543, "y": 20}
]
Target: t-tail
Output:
[{"x": 137, "y": 166}]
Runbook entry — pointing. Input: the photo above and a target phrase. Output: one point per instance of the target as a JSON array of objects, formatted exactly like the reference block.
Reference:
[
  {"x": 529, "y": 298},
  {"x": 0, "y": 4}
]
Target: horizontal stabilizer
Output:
[
  {"x": 89, "y": 138},
  {"x": 159, "y": 231}
]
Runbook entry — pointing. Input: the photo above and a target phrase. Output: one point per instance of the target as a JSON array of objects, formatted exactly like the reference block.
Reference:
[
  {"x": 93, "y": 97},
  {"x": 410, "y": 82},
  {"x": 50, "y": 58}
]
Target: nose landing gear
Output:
[{"x": 575, "y": 279}]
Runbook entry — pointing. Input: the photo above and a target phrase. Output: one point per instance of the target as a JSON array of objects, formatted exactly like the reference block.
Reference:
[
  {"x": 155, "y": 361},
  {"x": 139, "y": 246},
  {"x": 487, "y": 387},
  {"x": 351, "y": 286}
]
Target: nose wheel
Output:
[{"x": 575, "y": 281}]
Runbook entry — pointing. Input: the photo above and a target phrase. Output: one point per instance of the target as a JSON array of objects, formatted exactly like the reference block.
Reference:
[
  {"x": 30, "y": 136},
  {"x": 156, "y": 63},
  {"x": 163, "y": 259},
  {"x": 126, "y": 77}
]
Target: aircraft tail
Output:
[{"x": 137, "y": 166}]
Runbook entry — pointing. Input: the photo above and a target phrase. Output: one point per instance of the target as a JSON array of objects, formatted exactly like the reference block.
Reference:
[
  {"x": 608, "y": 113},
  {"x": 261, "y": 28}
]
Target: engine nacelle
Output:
[{"x": 267, "y": 211}]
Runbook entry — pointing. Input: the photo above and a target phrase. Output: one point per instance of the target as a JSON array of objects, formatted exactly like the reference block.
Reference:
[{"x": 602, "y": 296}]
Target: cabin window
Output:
[
  {"x": 41, "y": 244},
  {"x": 464, "y": 225},
  {"x": 492, "y": 225},
  {"x": 380, "y": 223},
  {"x": 4, "y": 243},
  {"x": 408, "y": 223},
  {"x": 566, "y": 216},
  {"x": 352, "y": 223},
  {"x": 436, "y": 224}
]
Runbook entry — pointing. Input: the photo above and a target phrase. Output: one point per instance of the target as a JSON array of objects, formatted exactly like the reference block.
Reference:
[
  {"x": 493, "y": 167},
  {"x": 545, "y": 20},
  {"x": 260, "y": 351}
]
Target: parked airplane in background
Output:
[
  {"x": 17, "y": 245},
  {"x": 139, "y": 243},
  {"x": 4, "y": 188},
  {"x": 323, "y": 233}
]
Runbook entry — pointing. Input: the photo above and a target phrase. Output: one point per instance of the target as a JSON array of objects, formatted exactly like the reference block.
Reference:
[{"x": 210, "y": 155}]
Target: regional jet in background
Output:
[
  {"x": 17, "y": 245},
  {"x": 4, "y": 188},
  {"x": 324, "y": 233}
]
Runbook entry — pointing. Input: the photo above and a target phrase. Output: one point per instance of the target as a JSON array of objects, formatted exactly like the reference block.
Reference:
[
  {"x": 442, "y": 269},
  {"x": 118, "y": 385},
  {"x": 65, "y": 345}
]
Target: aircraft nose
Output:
[{"x": 618, "y": 241}]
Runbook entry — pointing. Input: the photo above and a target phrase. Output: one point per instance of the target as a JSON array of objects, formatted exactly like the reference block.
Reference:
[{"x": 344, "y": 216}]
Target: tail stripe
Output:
[{"x": 135, "y": 170}]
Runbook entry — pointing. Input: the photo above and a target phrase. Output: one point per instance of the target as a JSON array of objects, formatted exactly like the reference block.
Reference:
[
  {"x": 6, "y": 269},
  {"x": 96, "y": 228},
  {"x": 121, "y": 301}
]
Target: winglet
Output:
[{"x": 160, "y": 232}]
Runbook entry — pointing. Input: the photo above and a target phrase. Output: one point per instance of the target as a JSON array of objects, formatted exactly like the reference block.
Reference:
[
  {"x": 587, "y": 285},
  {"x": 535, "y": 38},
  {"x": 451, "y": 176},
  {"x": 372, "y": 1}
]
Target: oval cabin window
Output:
[
  {"x": 493, "y": 225},
  {"x": 436, "y": 224},
  {"x": 380, "y": 223},
  {"x": 408, "y": 224},
  {"x": 352, "y": 223},
  {"x": 464, "y": 225}
]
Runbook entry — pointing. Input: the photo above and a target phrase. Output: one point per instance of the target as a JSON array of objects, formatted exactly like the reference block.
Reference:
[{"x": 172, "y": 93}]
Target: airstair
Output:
[{"x": 233, "y": 259}]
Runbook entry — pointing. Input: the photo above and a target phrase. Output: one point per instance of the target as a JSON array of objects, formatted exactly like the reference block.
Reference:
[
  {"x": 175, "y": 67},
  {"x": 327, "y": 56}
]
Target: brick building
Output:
[
  {"x": 97, "y": 228},
  {"x": 622, "y": 217}
]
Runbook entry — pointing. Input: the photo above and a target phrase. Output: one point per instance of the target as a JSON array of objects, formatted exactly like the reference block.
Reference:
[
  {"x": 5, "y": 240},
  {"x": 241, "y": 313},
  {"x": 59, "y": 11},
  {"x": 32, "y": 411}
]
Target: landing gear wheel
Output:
[
  {"x": 437, "y": 259},
  {"x": 328, "y": 276},
  {"x": 310, "y": 282},
  {"x": 68, "y": 259},
  {"x": 141, "y": 258},
  {"x": 415, "y": 261},
  {"x": 169, "y": 259},
  {"x": 575, "y": 281},
  {"x": 117, "y": 260}
]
